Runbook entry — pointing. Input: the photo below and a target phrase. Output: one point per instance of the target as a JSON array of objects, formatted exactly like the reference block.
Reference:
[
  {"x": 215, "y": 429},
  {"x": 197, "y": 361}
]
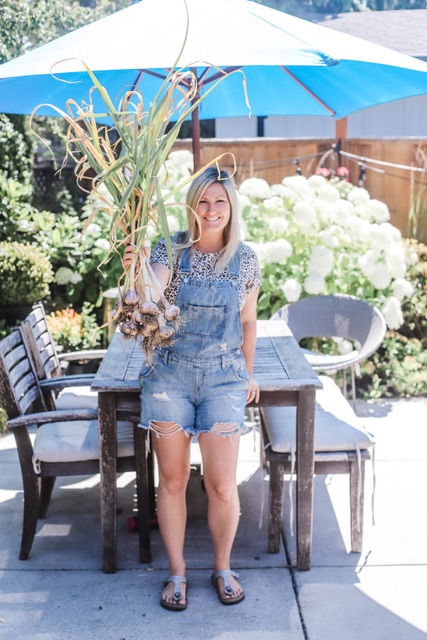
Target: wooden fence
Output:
[{"x": 274, "y": 158}]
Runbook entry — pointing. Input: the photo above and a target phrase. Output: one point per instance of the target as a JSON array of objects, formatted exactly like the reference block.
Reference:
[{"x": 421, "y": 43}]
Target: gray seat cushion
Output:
[
  {"x": 77, "y": 398},
  {"x": 337, "y": 426},
  {"x": 77, "y": 440}
]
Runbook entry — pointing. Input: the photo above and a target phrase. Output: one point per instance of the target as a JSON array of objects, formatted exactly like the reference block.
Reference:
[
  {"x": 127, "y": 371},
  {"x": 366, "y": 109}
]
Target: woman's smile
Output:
[{"x": 214, "y": 208}]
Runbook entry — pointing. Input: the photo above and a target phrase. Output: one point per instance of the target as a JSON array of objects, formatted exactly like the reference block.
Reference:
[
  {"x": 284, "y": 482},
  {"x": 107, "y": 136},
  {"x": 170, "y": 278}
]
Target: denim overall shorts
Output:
[{"x": 200, "y": 381}]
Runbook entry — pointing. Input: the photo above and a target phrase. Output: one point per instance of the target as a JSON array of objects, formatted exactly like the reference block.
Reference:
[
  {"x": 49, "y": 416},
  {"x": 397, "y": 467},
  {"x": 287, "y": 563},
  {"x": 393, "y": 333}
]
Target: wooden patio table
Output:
[{"x": 284, "y": 377}]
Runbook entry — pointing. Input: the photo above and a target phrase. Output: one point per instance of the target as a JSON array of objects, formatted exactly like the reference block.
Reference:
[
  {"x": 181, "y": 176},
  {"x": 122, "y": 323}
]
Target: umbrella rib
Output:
[
  {"x": 313, "y": 95},
  {"x": 217, "y": 75}
]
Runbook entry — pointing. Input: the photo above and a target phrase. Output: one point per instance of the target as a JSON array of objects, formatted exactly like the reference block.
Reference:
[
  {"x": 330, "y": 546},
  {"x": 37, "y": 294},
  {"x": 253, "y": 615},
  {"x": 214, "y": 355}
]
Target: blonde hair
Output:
[{"x": 231, "y": 234}]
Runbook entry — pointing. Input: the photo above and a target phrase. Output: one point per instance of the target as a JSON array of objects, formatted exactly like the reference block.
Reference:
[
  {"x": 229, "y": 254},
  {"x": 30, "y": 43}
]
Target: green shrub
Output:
[
  {"x": 25, "y": 274},
  {"x": 15, "y": 209}
]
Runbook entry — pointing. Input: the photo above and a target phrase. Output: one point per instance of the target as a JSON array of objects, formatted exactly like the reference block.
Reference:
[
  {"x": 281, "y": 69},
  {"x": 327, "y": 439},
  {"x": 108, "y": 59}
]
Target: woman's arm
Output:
[
  {"x": 161, "y": 271},
  {"x": 248, "y": 317}
]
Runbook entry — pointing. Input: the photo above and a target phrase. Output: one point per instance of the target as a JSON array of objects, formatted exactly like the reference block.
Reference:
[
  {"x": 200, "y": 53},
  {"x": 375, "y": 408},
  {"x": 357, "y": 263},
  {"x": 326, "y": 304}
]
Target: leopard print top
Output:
[{"x": 203, "y": 265}]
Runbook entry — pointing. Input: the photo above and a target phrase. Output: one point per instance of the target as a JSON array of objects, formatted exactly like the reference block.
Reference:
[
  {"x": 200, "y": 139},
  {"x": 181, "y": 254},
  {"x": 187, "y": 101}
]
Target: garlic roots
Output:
[{"x": 143, "y": 311}]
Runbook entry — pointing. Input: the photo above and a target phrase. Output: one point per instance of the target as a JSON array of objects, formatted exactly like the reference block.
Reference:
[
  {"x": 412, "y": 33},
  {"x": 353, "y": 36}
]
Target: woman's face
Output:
[{"x": 214, "y": 209}]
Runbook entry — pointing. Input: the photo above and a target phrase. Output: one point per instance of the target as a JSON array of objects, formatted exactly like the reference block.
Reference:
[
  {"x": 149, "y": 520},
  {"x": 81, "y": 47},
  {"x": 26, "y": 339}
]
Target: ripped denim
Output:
[{"x": 195, "y": 395}]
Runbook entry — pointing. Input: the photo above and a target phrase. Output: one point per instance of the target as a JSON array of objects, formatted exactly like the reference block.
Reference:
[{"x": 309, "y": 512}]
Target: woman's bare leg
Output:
[
  {"x": 219, "y": 455},
  {"x": 172, "y": 450}
]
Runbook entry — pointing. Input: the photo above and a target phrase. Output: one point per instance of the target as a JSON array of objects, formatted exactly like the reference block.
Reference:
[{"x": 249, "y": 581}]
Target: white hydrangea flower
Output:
[
  {"x": 379, "y": 211},
  {"x": 278, "y": 251},
  {"x": 274, "y": 205},
  {"x": 381, "y": 277},
  {"x": 395, "y": 260},
  {"x": 304, "y": 215},
  {"x": 102, "y": 243},
  {"x": 178, "y": 165},
  {"x": 345, "y": 208},
  {"x": 278, "y": 225},
  {"x": 283, "y": 192},
  {"x": 329, "y": 193},
  {"x": 300, "y": 185},
  {"x": 152, "y": 231},
  {"x": 316, "y": 181},
  {"x": 244, "y": 201},
  {"x": 392, "y": 232},
  {"x": 402, "y": 288},
  {"x": 243, "y": 228},
  {"x": 94, "y": 228},
  {"x": 323, "y": 212},
  {"x": 256, "y": 188},
  {"x": 314, "y": 283},
  {"x": 321, "y": 261},
  {"x": 261, "y": 249},
  {"x": 173, "y": 223},
  {"x": 65, "y": 275},
  {"x": 368, "y": 262},
  {"x": 76, "y": 277},
  {"x": 292, "y": 290},
  {"x": 382, "y": 235},
  {"x": 330, "y": 238},
  {"x": 358, "y": 195},
  {"x": 182, "y": 158},
  {"x": 392, "y": 312},
  {"x": 359, "y": 229},
  {"x": 362, "y": 212}
]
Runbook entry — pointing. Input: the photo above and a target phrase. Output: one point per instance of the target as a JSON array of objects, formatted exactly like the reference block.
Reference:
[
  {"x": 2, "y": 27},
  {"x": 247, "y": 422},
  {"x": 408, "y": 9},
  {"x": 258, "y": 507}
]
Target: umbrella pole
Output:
[{"x": 195, "y": 121}]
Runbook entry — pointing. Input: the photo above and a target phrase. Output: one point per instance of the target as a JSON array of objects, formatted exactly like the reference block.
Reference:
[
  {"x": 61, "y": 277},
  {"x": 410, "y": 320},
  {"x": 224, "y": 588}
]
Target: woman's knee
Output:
[{"x": 224, "y": 492}]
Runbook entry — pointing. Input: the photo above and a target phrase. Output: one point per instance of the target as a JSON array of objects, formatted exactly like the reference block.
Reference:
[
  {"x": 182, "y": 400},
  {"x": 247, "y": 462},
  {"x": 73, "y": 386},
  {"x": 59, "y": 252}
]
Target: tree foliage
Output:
[
  {"x": 304, "y": 7},
  {"x": 29, "y": 23}
]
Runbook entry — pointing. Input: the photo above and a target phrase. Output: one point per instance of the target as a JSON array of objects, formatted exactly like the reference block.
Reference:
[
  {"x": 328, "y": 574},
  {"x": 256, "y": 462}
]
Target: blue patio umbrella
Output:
[{"x": 292, "y": 66}]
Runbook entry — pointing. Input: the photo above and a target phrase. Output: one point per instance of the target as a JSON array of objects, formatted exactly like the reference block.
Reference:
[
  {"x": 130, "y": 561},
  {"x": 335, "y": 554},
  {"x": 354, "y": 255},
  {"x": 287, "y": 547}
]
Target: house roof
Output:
[{"x": 403, "y": 30}]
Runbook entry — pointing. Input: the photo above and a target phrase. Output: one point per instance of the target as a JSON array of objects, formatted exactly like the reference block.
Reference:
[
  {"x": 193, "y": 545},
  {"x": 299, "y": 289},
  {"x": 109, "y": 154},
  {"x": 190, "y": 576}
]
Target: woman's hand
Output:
[
  {"x": 129, "y": 254},
  {"x": 252, "y": 393}
]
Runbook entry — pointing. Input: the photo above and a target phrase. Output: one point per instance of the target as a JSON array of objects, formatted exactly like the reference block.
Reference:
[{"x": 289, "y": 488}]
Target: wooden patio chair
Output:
[
  {"x": 70, "y": 391},
  {"x": 66, "y": 442},
  {"x": 341, "y": 445}
]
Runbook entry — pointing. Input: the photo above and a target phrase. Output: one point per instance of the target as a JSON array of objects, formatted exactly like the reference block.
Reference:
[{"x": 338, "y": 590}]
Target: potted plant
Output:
[
  {"x": 73, "y": 331},
  {"x": 25, "y": 274}
]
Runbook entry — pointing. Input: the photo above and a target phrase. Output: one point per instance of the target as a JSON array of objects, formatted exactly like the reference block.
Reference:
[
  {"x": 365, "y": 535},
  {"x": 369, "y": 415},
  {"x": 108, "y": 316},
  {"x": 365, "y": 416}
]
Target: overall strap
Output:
[
  {"x": 234, "y": 264},
  {"x": 185, "y": 265}
]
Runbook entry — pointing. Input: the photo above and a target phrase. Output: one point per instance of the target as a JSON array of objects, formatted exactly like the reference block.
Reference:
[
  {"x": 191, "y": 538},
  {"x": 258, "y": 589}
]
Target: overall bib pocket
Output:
[{"x": 204, "y": 321}]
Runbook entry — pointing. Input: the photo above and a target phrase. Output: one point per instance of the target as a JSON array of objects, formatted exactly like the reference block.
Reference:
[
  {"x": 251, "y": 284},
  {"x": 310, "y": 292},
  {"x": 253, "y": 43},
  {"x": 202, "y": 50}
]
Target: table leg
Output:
[
  {"x": 305, "y": 476},
  {"x": 108, "y": 470}
]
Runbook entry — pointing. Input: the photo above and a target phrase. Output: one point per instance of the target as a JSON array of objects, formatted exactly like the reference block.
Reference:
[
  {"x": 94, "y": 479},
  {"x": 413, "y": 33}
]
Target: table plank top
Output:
[{"x": 279, "y": 362}]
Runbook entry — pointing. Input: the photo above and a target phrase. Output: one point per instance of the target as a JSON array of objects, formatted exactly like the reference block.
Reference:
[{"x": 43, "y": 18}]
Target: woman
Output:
[{"x": 199, "y": 386}]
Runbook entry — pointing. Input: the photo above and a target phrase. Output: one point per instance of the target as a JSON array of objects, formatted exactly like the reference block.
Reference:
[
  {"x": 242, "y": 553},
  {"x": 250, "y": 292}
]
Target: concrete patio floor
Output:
[{"x": 60, "y": 593}]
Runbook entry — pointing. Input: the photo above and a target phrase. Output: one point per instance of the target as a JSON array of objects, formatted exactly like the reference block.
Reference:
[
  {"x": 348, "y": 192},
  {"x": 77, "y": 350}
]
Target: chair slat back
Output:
[
  {"x": 19, "y": 387},
  {"x": 40, "y": 344}
]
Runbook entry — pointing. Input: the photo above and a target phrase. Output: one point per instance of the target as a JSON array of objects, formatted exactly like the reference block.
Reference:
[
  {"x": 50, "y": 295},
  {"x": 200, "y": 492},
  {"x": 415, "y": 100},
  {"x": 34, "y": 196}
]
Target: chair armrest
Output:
[
  {"x": 94, "y": 354},
  {"x": 44, "y": 417},
  {"x": 63, "y": 382}
]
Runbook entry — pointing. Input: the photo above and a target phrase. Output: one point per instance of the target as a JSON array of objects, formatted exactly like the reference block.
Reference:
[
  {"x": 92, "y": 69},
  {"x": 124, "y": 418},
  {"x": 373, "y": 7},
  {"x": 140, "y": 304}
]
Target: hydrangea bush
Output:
[{"x": 314, "y": 236}]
